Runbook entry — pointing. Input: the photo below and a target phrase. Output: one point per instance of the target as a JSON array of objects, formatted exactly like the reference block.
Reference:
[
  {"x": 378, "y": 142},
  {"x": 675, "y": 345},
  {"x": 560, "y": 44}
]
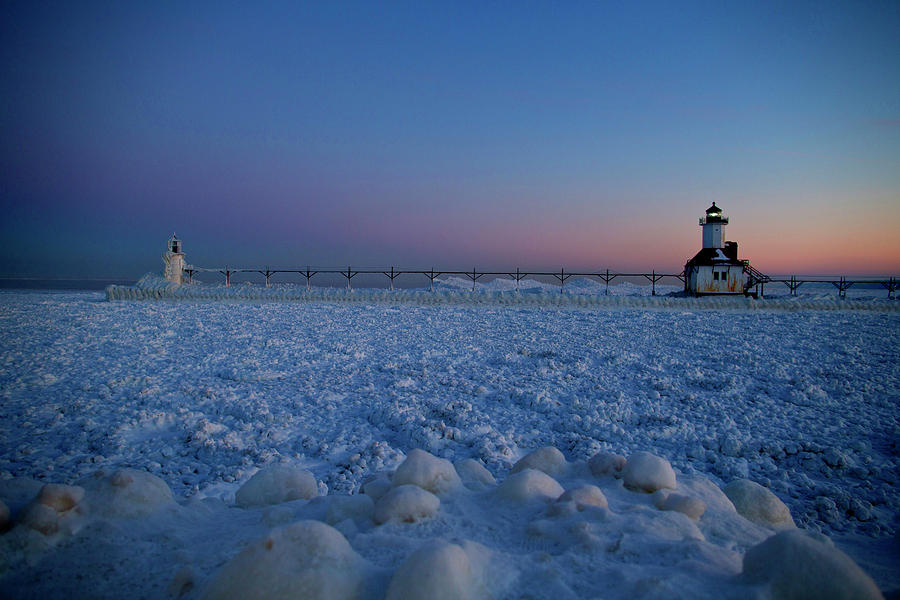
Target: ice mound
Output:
[
  {"x": 794, "y": 566},
  {"x": 687, "y": 505},
  {"x": 407, "y": 503},
  {"x": 530, "y": 485},
  {"x": 60, "y": 497},
  {"x": 437, "y": 571},
  {"x": 277, "y": 484},
  {"x": 648, "y": 472},
  {"x": 436, "y": 475},
  {"x": 474, "y": 475},
  {"x": 605, "y": 463},
  {"x": 547, "y": 459},
  {"x": 307, "y": 559},
  {"x": 584, "y": 496},
  {"x": 758, "y": 504},
  {"x": 56, "y": 509},
  {"x": 125, "y": 493}
]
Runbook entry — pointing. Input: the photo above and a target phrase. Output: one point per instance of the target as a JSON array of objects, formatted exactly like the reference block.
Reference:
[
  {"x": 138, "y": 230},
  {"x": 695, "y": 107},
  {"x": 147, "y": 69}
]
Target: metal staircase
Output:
[{"x": 756, "y": 278}]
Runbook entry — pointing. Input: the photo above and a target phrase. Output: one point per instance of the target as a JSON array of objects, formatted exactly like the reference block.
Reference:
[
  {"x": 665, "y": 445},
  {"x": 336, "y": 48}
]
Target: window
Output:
[{"x": 716, "y": 275}]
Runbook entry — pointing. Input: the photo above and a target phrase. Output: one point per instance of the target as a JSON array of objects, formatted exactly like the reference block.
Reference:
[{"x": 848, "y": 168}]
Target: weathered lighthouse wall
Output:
[{"x": 726, "y": 279}]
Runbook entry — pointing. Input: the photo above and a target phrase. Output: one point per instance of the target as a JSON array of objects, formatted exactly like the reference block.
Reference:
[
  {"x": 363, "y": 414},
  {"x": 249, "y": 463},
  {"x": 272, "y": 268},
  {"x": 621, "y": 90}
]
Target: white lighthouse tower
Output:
[
  {"x": 174, "y": 260},
  {"x": 713, "y": 225}
]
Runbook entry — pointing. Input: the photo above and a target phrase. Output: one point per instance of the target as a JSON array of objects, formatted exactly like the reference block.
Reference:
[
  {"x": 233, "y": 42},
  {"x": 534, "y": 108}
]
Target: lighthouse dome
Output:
[{"x": 714, "y": 215}]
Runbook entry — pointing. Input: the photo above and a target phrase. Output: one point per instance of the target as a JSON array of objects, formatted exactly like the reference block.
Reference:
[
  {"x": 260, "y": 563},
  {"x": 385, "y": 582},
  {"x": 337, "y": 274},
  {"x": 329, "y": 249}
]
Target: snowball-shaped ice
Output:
[
  {"x": 758, "y": 504},
  {"x": 529, "y": 485},
  {"x": 41, "y": 518},
  {"x": 427, "y": 471},
  {"x": 277, "y": 484},
  {"x": 376, "y": 486},
  {"x": 407, "y": 503},
  {"x": 125, "y": 493},
  {"x": 358, "y": 506},
  {"x": 60, "y": 497},
  {"x": 547, "y": 459},
  {"x": 688, "y": 505},
  {"x": 474, "y": 474},
  {"x": 794, "y": 566},
  {"x": 307, "y": 559},
  {"x": 648, "y": 472},
  {"x": 438, "y": 571},
  {"x": 585, "y": 495},
  {"x": 606, "y": 463}
]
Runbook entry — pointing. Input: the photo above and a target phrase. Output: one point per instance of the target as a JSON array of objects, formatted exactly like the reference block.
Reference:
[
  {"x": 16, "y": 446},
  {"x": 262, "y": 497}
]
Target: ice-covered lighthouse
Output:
[
  {"x": 716, "y": 268},
  {"x": 174, "y": 260}
]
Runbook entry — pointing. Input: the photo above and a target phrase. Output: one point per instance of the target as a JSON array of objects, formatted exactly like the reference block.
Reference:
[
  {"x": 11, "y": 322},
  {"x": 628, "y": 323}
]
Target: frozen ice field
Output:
[{"x": 800, "y": 398}]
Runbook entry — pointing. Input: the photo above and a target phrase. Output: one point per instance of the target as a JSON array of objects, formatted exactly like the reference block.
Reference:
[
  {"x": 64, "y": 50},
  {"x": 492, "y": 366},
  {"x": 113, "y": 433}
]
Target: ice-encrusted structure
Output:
[{"x": 152, "y": 287}]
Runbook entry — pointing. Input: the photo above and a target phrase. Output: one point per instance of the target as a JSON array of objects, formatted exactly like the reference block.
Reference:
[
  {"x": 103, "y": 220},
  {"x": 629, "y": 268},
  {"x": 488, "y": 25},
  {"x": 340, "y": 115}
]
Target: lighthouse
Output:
[
  {"x": 716, "y": 268},
  {"x": 713, "y": 225},
  {"x": 174, "y": 260}
]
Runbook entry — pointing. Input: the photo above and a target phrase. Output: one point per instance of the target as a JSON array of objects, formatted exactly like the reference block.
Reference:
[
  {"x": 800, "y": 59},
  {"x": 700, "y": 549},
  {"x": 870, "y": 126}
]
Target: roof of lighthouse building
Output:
[
  {"x": 713, "y": 209},
  {"x": 716, "y": 256}
]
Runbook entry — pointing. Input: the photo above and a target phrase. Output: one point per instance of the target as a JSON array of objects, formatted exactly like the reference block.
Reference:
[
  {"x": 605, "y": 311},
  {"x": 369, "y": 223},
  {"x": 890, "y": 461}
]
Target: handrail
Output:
[{"x": 842, "y": 283}]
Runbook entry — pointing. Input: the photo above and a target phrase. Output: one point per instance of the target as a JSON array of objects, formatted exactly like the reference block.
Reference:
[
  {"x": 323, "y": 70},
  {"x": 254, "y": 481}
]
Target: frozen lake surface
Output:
[{"x": 203, "y": 394}]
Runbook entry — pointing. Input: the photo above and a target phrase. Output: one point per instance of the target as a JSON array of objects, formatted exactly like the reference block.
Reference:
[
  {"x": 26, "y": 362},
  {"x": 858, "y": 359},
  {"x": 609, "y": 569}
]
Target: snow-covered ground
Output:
[{"x": 798, "y": 395}]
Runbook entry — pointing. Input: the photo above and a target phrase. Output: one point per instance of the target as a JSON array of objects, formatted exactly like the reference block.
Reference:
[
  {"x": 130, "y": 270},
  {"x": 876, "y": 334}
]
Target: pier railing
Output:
[
  {"x": 474, "y": 275},
  {"x": 841, "y": 283}
]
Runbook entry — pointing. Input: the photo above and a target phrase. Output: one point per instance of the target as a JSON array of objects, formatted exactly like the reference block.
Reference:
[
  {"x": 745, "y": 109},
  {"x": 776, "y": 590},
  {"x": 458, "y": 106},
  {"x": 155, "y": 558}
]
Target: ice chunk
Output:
[
  {"x": 547, "y": 459},
  {"x": 795, "y": 566},
  {"x": 427, "y": 471},
  {"x": 125, "y": 493},
  {"x": 585, "y": 495},
  {"x": 60, "y": 497},
  {"x": 307, "y": 559},
  {"x": 277, "y": 484},
  {"x": 758, "y": 504},
  {"x": 407, "y": 503},
  {"x": 41, "y": 518},
  {"x": 529, "y": 485},
  {"x": 606, "y": 463},
  {"x": 687, "y": 505},
  {"x": 474, "y": 474},
  {"x": 438, "y": 571},
  {"x": 648, "y": 472}
]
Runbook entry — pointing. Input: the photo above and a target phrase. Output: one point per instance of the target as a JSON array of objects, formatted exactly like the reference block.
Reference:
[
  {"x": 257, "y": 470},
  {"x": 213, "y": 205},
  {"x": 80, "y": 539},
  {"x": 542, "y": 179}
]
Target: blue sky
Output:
[{"x": 453, "y": 134}]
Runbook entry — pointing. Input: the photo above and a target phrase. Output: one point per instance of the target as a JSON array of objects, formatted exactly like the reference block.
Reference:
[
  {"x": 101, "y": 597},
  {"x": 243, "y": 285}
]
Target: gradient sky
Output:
[{"x": 589, "y": 136}]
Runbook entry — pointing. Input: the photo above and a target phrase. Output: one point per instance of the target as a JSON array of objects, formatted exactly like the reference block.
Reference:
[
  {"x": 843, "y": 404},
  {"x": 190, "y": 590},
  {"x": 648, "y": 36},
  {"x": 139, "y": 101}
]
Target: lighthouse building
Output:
[
  {"x": 716, "y": 268},
  {"x": 174, "y": 260}
]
